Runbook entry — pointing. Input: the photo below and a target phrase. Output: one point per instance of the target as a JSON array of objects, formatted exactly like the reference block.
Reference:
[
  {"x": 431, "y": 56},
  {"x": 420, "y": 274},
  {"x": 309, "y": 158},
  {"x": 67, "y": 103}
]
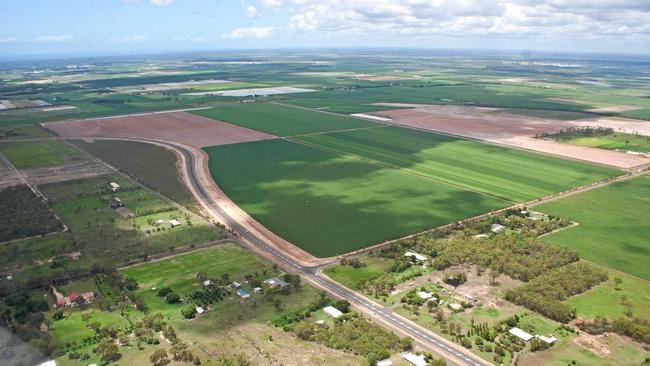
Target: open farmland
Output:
[
  {"x": 613, "y": 225},
  {"x": 332, "y": 193},
  {"x": 281, "y": 120},
  {"x": 508, "y": 174},
  {"x": 39, "y": 154},
  {"x": 180, "y": 127}
]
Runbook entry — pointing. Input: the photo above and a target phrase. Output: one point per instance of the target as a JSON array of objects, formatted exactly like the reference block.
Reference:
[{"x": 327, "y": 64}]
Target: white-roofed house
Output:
[
  {"x": 415, "y": 360},
  {"x": 418, "y": 257},
  {"x": 524, "y": 336},
  {"x": 497, "y": 228},
  {"x": 424, "y": 295},
  {"x": 332, "y": 311},
  {"x": 174, "y": 223}
]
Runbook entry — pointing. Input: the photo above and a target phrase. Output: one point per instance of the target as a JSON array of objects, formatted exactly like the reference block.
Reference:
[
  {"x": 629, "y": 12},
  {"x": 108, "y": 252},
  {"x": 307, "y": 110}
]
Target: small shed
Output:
[
  {"x": 236, "y": 284},
  {"x": 200, "y": 310},
  {"x": 546, "y": 339},
  {"x": 207, "y": 282},
  {"x": 114, "y": 186},
  {"x": 424, "y": 295},
  {"x": 174, "y": 223},
  {"x": 275, "y": 282},
  {"x": 243, "y": 293},
  {"x": 257, "y": 290}
]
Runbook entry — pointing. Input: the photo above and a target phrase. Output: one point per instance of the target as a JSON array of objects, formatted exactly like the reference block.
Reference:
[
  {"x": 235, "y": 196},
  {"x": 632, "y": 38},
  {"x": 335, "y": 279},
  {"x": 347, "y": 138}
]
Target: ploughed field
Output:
[{"x": 335, "y": 192}]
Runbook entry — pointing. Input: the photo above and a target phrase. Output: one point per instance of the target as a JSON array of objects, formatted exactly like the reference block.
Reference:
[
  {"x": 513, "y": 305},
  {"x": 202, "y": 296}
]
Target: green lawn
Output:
[
  {"x": 38, "y": 154},
  {"x": 281, "y": 120},
  {"x": 508, "y": 174},
  {"x": 613, "y": 229},
  {"x": 352, "y": 277},
  {"x": 73, "y": 328},
  {"x": 609, "y": 301},
  {"x": 620, "y": 141},
  {"x": 179, "y": 273},
  {"x": 329, "y": 203}
]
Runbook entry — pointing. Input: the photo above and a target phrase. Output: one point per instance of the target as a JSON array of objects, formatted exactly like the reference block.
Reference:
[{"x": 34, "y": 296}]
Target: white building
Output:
[
  {"x": 332, "y": 311},
  {"x": 114, "y": 186},
  {"x": 199, "y": 310},
  {"x": 455, "y": 306},
  {"x": 524, "y": 336},
  {"x": 418, "y": 257},
  {"x": 547, "y": 339},
  {"x": 207, "y": 282},
  {"x": 497, "y": 228},
  {"x": 425, "y": 295},
  {"x": 415, "y": 360},
  {"x": 174, "y": 223},
  {"x": 385, "y": 362},
  {"x": 257, "y": 290}
]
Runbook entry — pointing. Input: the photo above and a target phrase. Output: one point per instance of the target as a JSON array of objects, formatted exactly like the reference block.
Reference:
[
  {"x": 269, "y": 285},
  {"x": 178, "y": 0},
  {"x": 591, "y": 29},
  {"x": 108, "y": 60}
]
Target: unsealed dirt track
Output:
[
  {"x": 183, "y": 127},
  {"x": 500, "y": 127}
]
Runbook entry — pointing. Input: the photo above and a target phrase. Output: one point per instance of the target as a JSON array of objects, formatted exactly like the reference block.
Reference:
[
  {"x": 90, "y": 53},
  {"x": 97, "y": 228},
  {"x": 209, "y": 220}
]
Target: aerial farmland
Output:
[{"x": 341, "y": 209}]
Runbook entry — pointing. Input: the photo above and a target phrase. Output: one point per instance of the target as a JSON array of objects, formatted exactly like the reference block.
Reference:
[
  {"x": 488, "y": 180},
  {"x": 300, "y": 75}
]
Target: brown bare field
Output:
[
  {"x": 500, "y": 127},
  {"x": 181, "y": 127}
]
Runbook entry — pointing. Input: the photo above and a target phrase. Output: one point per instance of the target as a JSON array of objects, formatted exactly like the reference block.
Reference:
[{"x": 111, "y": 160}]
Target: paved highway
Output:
[{"x": 423, "y": 337}]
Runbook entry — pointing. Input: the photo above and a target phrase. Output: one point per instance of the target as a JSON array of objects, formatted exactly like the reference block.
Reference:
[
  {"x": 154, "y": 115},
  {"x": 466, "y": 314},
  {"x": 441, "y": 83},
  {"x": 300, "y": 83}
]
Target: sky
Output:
[{"x": 87, "y": 27}]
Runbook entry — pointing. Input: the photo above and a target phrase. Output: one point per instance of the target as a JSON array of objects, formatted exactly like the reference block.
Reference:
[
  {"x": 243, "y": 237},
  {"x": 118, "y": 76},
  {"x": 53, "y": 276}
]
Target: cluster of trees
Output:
[
  {"x": 352, "y": 262},
  {"x": 577, "y": 132},
  {"x": 23, "y": 214},
  {"x": 170, "y": 296},
  {"x": 353, "y": 333},
  {"x": 632, "y": 327},
  {"x": 22, "y": 314},
  {"x": 285, "y": 321},
  {"x": 207, "y": 295},
  {"x": 519, "y": 256},
  {"x": 545, "y": 293},
  {"x": 455, "y": 279}
]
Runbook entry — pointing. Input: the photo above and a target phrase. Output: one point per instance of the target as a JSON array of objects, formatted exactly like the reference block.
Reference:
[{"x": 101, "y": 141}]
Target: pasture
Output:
[
  {"x": 39, "y": 154},
  {"x": 612, "y": 228},
  {"x": 281, "y": 120},
  {"x": 507, "y": 174},
  {"x": 615, "y": 141}
]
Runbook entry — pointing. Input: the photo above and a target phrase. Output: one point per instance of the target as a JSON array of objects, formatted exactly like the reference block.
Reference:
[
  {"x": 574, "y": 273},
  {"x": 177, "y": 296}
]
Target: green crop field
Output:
[
  {"x": 613, "y": 225},
  {"x": 155, "y": 166},
  {"x": 281, "y": 120},
  {"x": 620, "y": 141},
  {"x": 508, "y": 174},
  {"x": 38, "y": 154}
]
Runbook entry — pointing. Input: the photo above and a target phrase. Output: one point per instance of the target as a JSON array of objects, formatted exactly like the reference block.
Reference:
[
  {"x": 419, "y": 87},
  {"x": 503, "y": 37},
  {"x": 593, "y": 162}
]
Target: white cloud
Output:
[
  {"x": 272, "y": 3},
  {"x": 57, "y": 38},
  {"x": 134, "y": 38},
  {"x": 250, "y": 32},
  {"x": 458, "y": 18},
  {"x": 8, "y": 40},
  {"x": 161, "y": 2},
  {"x": 251, "y": 12}
]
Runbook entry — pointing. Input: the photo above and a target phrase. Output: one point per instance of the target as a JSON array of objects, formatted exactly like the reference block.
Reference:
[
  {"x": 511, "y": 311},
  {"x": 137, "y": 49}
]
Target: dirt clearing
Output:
[
  {"x": 182, "y": 127},
  {"x": 501, "y": 127}
]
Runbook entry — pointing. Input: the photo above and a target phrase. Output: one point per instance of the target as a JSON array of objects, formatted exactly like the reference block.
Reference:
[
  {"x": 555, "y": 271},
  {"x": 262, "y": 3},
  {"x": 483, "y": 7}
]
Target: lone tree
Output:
[{"x": 108, "y": 351}]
